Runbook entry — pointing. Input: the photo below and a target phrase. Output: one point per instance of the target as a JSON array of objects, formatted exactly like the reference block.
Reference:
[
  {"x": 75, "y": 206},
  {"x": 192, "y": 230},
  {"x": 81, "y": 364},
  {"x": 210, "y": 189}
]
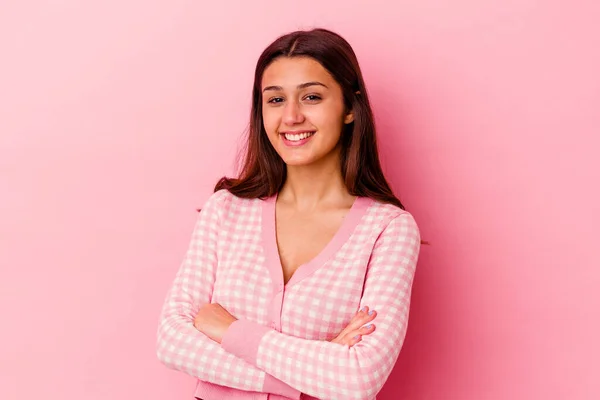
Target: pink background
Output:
[{"x": 117, "y": 117}]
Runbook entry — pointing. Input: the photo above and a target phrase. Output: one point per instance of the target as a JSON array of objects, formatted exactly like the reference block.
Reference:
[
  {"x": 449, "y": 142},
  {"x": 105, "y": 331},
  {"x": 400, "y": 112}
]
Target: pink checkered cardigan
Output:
[{"x": 279, "y": 348}]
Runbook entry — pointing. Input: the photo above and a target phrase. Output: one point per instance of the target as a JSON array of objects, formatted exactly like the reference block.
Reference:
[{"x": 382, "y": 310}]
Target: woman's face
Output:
[{"x": 303, "y": 110}]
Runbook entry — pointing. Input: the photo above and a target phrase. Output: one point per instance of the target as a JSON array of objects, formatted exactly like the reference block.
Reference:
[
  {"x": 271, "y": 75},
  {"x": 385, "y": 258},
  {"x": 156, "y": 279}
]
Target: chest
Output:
[
  {"x": 327, "y": 254},
  {"x": 301, "y": 237}
]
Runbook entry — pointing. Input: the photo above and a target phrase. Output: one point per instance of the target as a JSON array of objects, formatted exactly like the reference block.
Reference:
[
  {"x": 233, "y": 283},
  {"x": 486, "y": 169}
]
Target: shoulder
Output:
[
  {"x": 389, "y": 219},
  {"x": 217, "y": 199},
  {"x": 224, "y": 203}
]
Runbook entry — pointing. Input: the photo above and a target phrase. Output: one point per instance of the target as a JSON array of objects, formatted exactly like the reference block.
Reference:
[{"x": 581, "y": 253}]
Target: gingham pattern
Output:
[
  {"x": 226, "y": 264},
  {"x": 179, "y": 345},
  {"x": 329, "y": 371}
]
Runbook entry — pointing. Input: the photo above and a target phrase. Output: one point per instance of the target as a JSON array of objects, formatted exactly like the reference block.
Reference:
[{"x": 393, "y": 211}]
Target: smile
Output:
[{"x": 297, "y": 138}]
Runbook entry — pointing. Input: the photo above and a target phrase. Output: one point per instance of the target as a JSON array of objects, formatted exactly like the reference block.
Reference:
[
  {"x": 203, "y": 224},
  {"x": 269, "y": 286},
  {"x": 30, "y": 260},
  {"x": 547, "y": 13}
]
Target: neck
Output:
[{"x": 320, "y": 184}]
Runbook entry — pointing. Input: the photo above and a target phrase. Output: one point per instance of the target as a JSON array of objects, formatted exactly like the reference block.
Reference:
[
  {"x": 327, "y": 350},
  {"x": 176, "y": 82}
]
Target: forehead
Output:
[{"x": 292, "y": 71}]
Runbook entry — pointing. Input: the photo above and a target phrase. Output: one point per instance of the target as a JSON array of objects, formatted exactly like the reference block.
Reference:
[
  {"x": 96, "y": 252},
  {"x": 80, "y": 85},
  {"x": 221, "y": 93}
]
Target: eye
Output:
[
  {"x": 313, "y": 97},
  {"x": 274, "y": 100}
]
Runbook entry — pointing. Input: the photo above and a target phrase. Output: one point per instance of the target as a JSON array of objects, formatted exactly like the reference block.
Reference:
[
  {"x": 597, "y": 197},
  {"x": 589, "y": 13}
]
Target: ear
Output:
[{"x": 349, "y": 118}]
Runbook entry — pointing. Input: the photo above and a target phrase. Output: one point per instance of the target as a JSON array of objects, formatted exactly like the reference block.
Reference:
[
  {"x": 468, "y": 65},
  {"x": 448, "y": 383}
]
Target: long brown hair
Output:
[{"x": 264, "y": 172}]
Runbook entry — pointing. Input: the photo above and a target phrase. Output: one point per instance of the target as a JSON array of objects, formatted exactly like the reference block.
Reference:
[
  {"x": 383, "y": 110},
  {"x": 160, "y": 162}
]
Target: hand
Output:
[
  {"x": 213, "y": 320},
  {"x": 353, "y": 333}
]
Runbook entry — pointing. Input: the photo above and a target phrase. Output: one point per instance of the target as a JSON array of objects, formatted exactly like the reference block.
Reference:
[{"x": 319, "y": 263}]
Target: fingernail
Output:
[
  {"x": 369, "y": 326},
  {"x": 371, "y": 312},
  {"x": 357, "y": 337},
  {"x": 364, "y": 308}
]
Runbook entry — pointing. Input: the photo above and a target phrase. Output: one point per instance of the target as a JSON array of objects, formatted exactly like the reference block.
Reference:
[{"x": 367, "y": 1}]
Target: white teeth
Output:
[{"x": 296, "y": 137}]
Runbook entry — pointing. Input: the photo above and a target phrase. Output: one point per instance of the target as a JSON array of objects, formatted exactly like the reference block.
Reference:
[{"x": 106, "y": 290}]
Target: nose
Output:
[{"x": 292, "y": 113}]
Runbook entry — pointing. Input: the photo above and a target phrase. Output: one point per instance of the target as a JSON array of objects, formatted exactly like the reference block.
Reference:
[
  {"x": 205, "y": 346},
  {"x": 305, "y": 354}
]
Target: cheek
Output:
[
  {"x": 270, "y": 121},
  {"x": 329, "y": 120}
]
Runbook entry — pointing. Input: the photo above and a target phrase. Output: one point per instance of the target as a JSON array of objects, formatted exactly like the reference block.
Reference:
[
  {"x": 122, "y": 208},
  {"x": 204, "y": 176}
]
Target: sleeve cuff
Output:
[
  {"x": 275, "y": 386},
  {"x": 242, "y": 339}
]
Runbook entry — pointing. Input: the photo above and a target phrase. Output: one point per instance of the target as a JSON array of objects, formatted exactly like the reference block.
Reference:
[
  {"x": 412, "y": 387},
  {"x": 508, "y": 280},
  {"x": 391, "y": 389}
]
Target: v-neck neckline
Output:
[{"x": 269, "y": 239}]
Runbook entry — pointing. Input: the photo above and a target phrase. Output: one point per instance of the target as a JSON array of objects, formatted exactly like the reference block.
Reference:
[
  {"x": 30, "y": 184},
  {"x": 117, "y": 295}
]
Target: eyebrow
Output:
[{"x": 300, "y": 86}]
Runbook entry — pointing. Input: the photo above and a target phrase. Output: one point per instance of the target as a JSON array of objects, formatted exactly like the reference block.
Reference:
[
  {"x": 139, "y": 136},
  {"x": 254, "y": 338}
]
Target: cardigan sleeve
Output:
[
  {"x": 180, "y": 346},
  {"x": 329, "y": 370}
]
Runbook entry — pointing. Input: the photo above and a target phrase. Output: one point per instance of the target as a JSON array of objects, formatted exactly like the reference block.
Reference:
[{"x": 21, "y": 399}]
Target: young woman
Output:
[{"x": 292, "y": 264}]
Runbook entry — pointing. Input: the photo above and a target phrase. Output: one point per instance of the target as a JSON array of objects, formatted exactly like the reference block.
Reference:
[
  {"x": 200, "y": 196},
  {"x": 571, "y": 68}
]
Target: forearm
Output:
[
  {"x": 183, "y": 348},
  {"x": 328, "y": 370},
  {"x": 180, "y": 346},
  {"x": 318, "y": 368}
]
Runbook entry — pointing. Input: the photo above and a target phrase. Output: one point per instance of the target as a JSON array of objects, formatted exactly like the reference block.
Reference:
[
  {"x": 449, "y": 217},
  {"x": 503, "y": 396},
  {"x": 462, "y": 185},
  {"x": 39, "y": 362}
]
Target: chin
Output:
[{"x": 297, "y": 162}]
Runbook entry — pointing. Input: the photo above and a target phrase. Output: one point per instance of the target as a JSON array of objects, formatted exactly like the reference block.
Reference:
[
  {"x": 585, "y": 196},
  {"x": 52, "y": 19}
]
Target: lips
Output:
[{"x": 296, "y": 138}]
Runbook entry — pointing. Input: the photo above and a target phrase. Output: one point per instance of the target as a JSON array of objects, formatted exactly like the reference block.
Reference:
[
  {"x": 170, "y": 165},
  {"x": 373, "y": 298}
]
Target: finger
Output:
[
  {"x": 354, "y": 340},
  {"x": 355, "y": 336},
  {"x": 367, "y": 329},
  {"x": 363, "y": 330},
  {"x": 355, "y": 321},
  {"x": 360, "y": 313},
  {"x": 361, "y": 319}
]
